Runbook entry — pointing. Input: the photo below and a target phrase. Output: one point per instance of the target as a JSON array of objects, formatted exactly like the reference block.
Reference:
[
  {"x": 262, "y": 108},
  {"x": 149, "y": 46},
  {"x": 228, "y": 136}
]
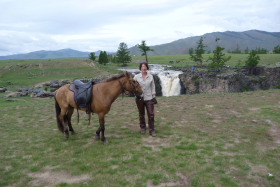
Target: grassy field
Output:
[
  {"x": 203, "y": 140},
  {"x": 184, "y": 60},
  {"x": 31, "y": 72}
]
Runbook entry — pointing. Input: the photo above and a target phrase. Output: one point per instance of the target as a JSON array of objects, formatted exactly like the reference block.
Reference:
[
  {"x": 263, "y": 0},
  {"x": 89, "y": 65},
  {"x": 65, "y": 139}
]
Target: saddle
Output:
[{"x": 82, "y": 94}]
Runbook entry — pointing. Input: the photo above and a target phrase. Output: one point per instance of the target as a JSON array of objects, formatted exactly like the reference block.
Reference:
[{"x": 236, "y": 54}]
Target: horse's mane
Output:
[{"x": 114, "y": 78}]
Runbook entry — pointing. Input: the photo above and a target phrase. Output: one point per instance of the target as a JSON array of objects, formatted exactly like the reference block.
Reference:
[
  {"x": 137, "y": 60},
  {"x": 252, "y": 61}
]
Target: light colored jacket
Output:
[{"x": 148, "y": 85}]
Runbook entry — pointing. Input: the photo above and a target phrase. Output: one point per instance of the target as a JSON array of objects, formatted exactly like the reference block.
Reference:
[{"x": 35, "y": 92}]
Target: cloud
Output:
[{"x": 91, "y": 25}]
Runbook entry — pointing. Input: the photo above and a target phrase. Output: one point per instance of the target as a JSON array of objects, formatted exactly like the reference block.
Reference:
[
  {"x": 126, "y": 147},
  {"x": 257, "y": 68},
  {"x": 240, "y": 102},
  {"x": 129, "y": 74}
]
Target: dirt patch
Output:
[
  {"x": 165, "y": 184},
  {"x": 156, "y": 143},
  {"x": 48, "y": 177},
  {"x": 259, "y": 169},
  {"x": 115, "y": 166},
  {"x": 183, "y": 181},
  {"x": 218, "y": 118},
  {"x": 274, "y": 131},
  {"x": 14, "y": 99},
  {"x": 41, "y": 84},
  {"x": 181, "y": 123},
  {"x": 209, "y": 106},
  {"x": 254, "y": 109}
]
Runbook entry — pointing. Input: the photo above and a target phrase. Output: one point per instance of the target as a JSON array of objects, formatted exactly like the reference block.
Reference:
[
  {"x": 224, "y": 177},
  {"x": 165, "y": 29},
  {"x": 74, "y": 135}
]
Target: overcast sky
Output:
[{"x": 91, "y": 25}]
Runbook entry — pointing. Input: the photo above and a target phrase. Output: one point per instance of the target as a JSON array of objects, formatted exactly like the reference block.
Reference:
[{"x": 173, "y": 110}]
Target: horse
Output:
[{"x": 103, "y": 95}]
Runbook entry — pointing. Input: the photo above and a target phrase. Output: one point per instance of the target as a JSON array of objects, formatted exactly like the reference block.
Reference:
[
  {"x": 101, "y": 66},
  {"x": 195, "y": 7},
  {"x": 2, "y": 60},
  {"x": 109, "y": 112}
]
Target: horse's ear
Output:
[{"x": 127, "y": 74}]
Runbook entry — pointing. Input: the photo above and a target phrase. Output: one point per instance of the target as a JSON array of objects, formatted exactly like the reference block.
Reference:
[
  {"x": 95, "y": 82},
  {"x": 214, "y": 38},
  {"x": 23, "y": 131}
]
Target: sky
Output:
[{"x": 92, "y": 25}]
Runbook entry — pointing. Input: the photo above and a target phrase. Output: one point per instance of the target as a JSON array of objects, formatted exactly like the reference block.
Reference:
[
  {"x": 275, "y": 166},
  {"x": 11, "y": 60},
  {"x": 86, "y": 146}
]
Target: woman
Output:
[{"x": 146, "y": 81}]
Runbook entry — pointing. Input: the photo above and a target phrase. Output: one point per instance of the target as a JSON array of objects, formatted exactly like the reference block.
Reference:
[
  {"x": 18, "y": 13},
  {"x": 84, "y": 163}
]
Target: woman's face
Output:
[{"x": 143, "y": 68}]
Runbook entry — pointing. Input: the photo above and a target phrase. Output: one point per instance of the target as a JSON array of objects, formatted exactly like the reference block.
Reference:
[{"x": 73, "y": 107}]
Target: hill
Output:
[
  {"x": 229, "y": 40},
  {"x": 63, "y": 53}
]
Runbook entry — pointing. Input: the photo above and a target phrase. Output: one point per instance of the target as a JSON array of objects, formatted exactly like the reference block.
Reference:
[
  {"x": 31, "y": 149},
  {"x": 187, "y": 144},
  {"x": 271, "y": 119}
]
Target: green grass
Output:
[
  {"x": 31, "y": 72},
  {"x": 230, "y": 144},
  {"x": 203, "y": 140},
  {"x": 184, "y": 60}
]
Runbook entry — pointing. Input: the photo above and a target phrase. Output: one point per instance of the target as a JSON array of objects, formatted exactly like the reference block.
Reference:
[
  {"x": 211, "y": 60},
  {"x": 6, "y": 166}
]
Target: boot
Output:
[
  {"x": 153, "y": 133},
  {"x": 143, "y": 131}
]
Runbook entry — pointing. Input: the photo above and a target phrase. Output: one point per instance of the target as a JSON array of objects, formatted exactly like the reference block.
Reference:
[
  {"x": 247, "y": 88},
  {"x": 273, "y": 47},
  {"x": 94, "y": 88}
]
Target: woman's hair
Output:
[{"x": 145, "y": 63}]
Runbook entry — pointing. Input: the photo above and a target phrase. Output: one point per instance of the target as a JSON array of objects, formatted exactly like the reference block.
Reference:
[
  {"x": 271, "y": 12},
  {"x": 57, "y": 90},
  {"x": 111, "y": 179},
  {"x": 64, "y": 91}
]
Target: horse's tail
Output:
[{"x": 58, "y": 111}]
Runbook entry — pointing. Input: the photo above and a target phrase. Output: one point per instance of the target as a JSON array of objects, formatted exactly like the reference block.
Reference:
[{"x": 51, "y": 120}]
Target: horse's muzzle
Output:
[{"x": 139, "y": 97}]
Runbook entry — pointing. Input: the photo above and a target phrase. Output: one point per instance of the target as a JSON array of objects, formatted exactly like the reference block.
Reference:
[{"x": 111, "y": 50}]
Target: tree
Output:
[
  {"x": 191, "y": 51},
  {"x": 276, "y": 49},
  {"x": 122, "y": 55},
  {"x": 218, "y": 59},
  {"x": 237, "y": 50},
  {"x": 246, "y": 51},
  {"x": 144, "y": 49},
  {"x": 111, "y": 58},
  {"x": 261, "y": 50},
  {"x": 92, "y": 56},
  {"x": 199, "y": 51},
  {"x": 103, "y": 58},
  {"x": 253, "y": 59}
]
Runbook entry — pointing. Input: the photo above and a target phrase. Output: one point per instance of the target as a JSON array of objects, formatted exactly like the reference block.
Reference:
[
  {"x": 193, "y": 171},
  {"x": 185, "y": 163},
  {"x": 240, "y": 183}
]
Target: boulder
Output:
[
  {"x": 3, "y": 89},
  {"x": 158, "y": 85}
]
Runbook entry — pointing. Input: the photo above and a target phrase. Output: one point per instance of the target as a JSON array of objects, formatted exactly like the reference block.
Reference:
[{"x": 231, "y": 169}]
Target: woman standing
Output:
[{"x": 146, "y": 81}]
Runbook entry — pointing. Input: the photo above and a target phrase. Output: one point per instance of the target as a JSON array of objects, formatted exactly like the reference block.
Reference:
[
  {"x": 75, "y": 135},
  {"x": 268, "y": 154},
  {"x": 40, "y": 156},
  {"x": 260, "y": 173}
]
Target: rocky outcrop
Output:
[
  {"x": 230, "y": 80},
  {"x": 44, "y": 90},
  {"x": 193, "y": 81},
  {"x": 158, "y": 85}
]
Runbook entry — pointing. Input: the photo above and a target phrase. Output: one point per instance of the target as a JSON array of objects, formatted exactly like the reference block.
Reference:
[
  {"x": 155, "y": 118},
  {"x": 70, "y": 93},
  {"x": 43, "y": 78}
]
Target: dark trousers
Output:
[{"x": 149, "y": 105}]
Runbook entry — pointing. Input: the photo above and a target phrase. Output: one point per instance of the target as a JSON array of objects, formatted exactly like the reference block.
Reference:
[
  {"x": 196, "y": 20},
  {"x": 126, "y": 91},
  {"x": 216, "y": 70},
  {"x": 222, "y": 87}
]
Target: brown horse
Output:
[{"x": 103, "y": 95}]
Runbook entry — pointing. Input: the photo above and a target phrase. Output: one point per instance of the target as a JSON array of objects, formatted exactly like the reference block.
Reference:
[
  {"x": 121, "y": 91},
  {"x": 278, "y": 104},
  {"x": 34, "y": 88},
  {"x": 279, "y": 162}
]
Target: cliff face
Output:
[{"x": 230, "y": 80}]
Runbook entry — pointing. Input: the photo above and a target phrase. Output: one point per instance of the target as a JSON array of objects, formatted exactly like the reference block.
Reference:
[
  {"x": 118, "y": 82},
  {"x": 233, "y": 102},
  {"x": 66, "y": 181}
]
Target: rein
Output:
[
  {"x": 123, "y": 90},
  {"x": 134, "y": 87}
]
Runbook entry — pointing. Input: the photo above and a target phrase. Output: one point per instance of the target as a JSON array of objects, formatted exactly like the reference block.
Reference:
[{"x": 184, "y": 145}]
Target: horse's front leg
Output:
[
  {"x": 102, "y": 129},
  {"x": 97, "y": 136}
]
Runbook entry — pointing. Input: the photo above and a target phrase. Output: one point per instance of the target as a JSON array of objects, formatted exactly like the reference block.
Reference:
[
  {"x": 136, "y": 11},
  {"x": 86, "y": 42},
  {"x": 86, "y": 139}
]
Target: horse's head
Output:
[{"x": 132, "y": 86}]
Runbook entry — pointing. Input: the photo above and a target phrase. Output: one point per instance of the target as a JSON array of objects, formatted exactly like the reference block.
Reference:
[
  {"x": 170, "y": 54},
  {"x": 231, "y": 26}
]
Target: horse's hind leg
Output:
[
  {"x": 69, "y": 116},
  {"x": 63, "y": 118}
]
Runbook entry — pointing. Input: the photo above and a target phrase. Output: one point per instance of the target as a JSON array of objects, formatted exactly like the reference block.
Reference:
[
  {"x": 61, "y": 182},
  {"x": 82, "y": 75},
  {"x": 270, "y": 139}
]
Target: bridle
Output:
[{"x": 132, "y": 85}]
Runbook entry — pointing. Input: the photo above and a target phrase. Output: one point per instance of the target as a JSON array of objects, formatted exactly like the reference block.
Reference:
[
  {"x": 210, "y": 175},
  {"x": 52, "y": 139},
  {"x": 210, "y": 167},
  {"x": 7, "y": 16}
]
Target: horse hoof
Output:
[
  {"x": 106, "y": 142},
  {"x": 73, "y": 133},
  {"x": 97, "y": 137},
  {"x": 66, "y": 134}
]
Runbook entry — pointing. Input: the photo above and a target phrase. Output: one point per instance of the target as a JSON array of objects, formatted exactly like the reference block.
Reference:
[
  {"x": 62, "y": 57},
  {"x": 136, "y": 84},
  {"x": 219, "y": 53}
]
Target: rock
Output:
[
  {"x": 3, "y": 89},
  {"x": 55, "y": 84},
  {"x": 14, "y": 94},
  {"x": 45, "y": 94},
  {"x": 158, "y": 85}
]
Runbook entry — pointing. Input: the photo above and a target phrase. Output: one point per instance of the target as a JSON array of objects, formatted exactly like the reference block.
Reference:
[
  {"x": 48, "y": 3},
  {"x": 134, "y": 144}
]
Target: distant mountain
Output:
[
  {"x": 63, "y": 53},
  {"x": 229, "y": 40}
]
